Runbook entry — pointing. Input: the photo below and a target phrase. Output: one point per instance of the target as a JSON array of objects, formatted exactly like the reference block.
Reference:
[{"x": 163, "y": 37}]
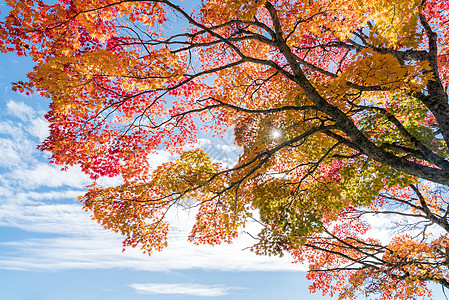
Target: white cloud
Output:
[
  {"x": 8, "y": 128},
  {"x": 81, "y": 243},
  {"x": 158, "y": 158},
  {"x": 384, "y": 227},
  {"x": 39, "y": 128},
  {"x": 20, "y": 110},
  {"x": 204, "y": 142},
  {"x": 10, "y": 156},
  {"x": 47, "y": 196},
  {"x": 16, "y": 145},
  {"x": 40, "y": 199},
  {"x": 6, "y": 192},
  {"x": 381, "y": 227},
  {"x": 189, "y": 289},
  {"x": 230, "y": 148},
  {"x": 67, "y": 219},
  {"x": 33, "y": 122},
  {"x": 45, "y": 175}
]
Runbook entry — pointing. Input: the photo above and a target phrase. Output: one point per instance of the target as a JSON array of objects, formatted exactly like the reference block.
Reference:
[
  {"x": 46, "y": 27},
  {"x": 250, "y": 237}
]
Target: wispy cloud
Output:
[
  {"x": 39, "y": 128},
  {"x": 189, "y": 289},
  {"x": 20, "y": 110},
  {"x": 40, "y": 200},
  {"x": 45, "y": 175},
  {"x": 80, "y": 243}
]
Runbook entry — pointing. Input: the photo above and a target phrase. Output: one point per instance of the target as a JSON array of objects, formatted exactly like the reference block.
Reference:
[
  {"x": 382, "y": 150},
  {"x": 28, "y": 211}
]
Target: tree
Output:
[{"x": 340, "y": 108}]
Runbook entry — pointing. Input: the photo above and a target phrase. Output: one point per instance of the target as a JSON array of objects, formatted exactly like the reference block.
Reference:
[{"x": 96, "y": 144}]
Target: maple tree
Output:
[{"x": 340, "y": 108}]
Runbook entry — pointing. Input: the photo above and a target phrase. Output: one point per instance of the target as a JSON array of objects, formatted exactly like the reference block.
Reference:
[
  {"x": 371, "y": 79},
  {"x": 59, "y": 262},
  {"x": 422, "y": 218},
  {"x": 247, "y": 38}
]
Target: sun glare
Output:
[{"x": 275, "y": 134}]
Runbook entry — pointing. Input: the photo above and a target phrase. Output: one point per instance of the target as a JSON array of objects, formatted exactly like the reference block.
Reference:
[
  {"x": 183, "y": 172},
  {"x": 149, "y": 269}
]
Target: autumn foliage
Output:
[{"x": 356, "y": 91}]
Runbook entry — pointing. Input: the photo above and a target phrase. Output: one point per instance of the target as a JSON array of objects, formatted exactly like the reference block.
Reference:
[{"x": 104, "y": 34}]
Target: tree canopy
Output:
[{"x": 340, "y": 109}]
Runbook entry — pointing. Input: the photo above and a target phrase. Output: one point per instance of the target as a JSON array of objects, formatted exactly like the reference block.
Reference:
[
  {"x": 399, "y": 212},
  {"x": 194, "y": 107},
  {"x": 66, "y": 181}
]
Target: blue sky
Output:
[{"x": 51, "y": 250}]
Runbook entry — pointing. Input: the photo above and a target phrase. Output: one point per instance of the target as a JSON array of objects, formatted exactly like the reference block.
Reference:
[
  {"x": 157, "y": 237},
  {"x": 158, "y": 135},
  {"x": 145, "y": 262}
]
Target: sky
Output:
[{"x": 51, "y": 250}]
